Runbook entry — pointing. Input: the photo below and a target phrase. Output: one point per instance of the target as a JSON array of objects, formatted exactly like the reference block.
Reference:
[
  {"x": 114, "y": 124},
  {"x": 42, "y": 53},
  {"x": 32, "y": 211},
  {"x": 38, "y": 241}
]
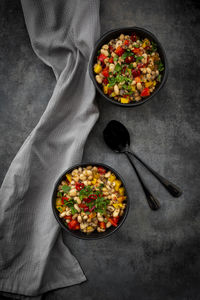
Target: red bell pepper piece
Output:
[
  {"x": 145, "y": 92},
  {"x": 136, "y": 50},
  {"x": 67, "y": 217},
  {"x": 110, "y": 48},
  {"x": 64, "y": 198},
  {"x": 112, "y": 222},
  {"x": 105, "y": 81},
  {"x": 101, "y": 57},
  {"x": 79, "y": 186},
  {"x": 73, "y": 225},
  {"x": 126, "y": 42},
  {"x": 116, "y": 219},
  {"x": 133, "y": 37},
  {"x": 82, "y": 205},
  {"x": 110, "y": 60},
  {"x": 101, "y": 170},
  {"x": 135, "y": 73},
  {"x": 105, "y": 72},
  {"x": 119, "y": 51},
  {"x": 102, "y": 225}
]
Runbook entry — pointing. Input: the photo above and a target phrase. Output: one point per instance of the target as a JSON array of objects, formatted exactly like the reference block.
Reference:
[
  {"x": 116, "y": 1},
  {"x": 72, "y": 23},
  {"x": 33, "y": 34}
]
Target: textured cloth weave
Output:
[{"x": 33, "y": 257}]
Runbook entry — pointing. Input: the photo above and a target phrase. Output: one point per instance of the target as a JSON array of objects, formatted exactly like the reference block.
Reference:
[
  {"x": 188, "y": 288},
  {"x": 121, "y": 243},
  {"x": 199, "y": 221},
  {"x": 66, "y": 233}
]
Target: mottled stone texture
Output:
[{"x": 155, "y": 255}]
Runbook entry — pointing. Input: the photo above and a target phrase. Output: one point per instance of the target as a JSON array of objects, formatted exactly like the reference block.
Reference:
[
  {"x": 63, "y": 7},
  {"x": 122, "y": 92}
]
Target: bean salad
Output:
[
  {"x": 128, "y": 68},
  {"x": 90, "y": 199}
]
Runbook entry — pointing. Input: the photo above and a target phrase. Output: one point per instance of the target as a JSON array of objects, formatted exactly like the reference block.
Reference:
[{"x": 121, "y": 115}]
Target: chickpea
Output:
[
  {"x": 95, "y": 169},
  {"x": 114, "y": 197},
  {"x": 139, "y": 86},
  {"x": 119, "y": 43},
  {"x": 133, "y": 82},
  {"x": 100, "y": 229},
  {"x": 134, "y": 65},
  {"x": 80, "y": 169},
  {"x": 149, "y": 76},
  {"x": 72, "y": 192},
  {"x": 89, "y": 168},
  {"x": 82, "y": 177},
  {"x": 148, "y": 70},
  {"x": 90, "y": 178},
  {"x": 85, "y": 182},
  {"x": 83, "y": 225},
  {"x": 98, "y": 79},
  {"x": 74, "y": 172},
  {"x": 89, "y": 182},
  {"x": 113, "y": 54},
  {"x": 88, "y": 173},
  {"x": 85, "y": 217},
  {"x": 111, "y": 67},
  {"x": 104, "y": 52},
  {"x": 121, "y": 37},
  {"x": 138, "y": 98},
  {"x": 105, "y": 47}
]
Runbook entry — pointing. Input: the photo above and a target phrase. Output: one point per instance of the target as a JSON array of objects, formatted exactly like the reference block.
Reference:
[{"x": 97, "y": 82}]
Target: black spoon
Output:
[{"x": 117, "y": 138}]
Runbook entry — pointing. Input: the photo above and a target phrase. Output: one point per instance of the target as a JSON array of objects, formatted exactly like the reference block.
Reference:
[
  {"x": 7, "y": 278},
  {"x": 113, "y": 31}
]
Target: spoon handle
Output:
[
  {"x": 171, "y": 187},
  {"x": 152, "y": 201}
]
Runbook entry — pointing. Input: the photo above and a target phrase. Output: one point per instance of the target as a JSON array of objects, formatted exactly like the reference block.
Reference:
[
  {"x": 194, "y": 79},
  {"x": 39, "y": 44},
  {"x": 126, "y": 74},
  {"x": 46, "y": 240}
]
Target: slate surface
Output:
[{"x": 155, "y": 255}]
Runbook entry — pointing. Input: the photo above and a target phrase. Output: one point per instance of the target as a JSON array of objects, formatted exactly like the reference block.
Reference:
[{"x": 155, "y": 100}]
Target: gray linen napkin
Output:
[{"x": 33, "y": 257}]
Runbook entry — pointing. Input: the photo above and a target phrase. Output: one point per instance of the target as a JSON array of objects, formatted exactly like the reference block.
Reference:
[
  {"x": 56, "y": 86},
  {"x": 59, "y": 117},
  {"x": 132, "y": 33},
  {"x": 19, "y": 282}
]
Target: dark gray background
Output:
[{"x": 155, "y": 255}]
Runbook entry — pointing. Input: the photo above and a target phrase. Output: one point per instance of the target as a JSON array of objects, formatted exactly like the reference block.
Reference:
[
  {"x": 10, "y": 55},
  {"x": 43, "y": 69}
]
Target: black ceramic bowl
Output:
[
  {"x": 142, "y": 33},
  {"x": 95, "y": 234}
]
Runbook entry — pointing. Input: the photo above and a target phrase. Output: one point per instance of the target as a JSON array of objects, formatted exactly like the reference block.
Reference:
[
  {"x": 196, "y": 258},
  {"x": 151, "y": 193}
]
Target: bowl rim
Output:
[
  {"x": 87, "y": 237},
  {"x": 96, "y": 48}
]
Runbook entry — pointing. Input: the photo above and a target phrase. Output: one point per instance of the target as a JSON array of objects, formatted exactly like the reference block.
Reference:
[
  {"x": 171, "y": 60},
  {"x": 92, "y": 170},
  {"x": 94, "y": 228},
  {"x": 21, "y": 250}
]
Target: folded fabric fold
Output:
[{"x": 33, "y": 257}]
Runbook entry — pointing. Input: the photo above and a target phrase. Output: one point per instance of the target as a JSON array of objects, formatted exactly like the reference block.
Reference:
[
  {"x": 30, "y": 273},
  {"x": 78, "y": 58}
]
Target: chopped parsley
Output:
[{"x": 66, "y": 188}]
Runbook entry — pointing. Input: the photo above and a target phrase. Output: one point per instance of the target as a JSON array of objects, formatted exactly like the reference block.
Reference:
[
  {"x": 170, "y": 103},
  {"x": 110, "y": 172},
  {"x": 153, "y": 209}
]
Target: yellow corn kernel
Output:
[
  {"x": 94, "y": 181},
  {"x": 58, "y": 201},
  {"x": 144, "y": 45},
  {"x": 112, "y": 178},
  {"x": 121, "y": 199},
  {"x": 60, "y": 208},
  {"x": 133, "y": 88},
  {"x": 148, "y": 84},
  {"x": 117, "y": 205},
  {"x": 89, "y": 228},
  {"x": 154, "y": 83},
  {"x": 112, "y": 94},
  {"x": 96, "y": 176},
  {"x": 69, "y": 177},
  {"x": 105, "y": 89},
  {"x": 117, "y": 185},
  {"x": 97, "y": 68},
  {"x": 124, "y": 100},
  {"x": 122, "y": 191}
]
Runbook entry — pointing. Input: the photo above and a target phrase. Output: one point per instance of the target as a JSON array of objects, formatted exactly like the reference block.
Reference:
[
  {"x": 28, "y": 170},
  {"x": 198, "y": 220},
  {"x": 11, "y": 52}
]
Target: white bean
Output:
[
  {"x": 116, "y": 212},
  {"x": 77, "y": 207},
  {"x": 104, "y": 52},
  {"x": 79, "y": 219},
  {"x": 111, "y": 67},
  {"x": 116, "y": 89},
  {"x": 62, "y": 214},
  {"x": 72, "y": 193}
]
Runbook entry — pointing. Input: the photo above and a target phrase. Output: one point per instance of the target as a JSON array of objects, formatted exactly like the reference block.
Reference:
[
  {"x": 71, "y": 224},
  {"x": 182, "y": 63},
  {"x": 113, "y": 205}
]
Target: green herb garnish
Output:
[
  {"x": 66, "y": 188},
  {"x": 138, "y": 58},
  {"x": 159, "y": 78},
  {"x": 154, "y": 47},
  {"x": 118, "y": 67},
  {"x": 59, "y": 194}
]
